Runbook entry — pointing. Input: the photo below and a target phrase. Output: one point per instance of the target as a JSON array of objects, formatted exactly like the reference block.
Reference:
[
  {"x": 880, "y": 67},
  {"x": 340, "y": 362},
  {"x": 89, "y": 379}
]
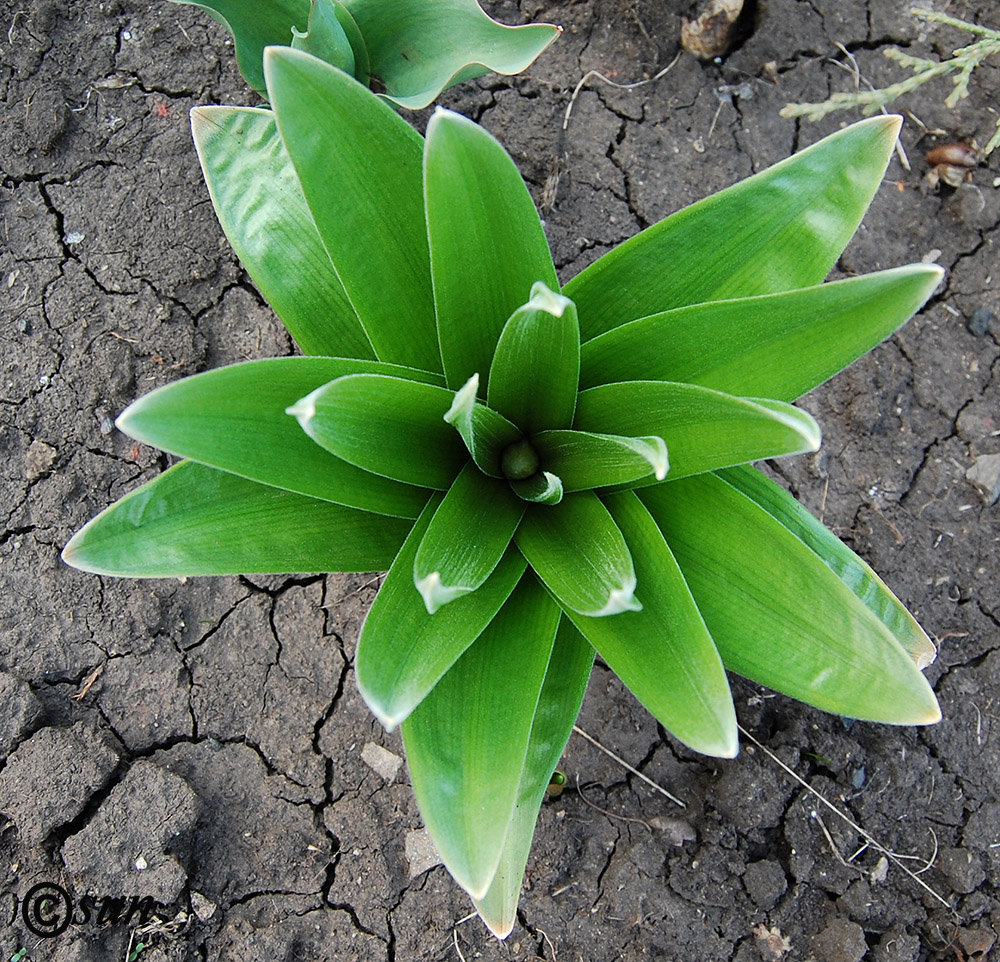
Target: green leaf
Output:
[
  {"x": 536, "y": 368},
  {"x": 487, "y": 243},
  {"x": 420, "y": 47},
  {"x": 359, "y": 165},
  {"x": 402, "y": 650},
  {"x": 845, "y": 564},
  {"x": 781, "y": 229},
  {"x": 195, "y": 520},
  {"x": 703, "y": 429},
  {"x": 775, "y": 345},
  {"x": 325, "y": 37},
  {"x": 255, "y": 26},
  {"x": 362, "y": 63},
  {"x": 541, "y": 488},
  {"x": 558, "y": 706},
  {"x": 234, "y": 418},
  {"x": 584, "y": 460},
  {"x": 578, "y": 551},
  {"x": 777, "y": 612},
  {"x": 664, "y": 653},
  {"x": 390, "y": 426},
  {"x": 466, "y": 539},
  {"x": 486, "y": 434},
  {"x": 259, "y": 203},
  {"x": 466, "y": 742}
]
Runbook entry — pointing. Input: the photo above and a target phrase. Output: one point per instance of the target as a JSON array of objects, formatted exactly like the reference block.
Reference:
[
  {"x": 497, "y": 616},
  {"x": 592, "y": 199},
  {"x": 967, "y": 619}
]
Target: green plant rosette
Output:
[
  {"x": 545, "y": 472},
  {"x": 407, "y": 50}
]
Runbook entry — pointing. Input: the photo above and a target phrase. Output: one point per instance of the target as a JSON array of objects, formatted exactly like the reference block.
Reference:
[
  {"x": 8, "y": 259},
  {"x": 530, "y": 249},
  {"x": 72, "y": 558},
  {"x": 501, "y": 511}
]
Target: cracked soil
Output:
[{"x": 203, "y": 743}]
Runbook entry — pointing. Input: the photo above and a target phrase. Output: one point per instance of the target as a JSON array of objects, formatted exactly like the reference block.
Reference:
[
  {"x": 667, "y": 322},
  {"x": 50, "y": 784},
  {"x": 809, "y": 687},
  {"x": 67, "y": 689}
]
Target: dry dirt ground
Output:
[{"x": 201, "y": 743}]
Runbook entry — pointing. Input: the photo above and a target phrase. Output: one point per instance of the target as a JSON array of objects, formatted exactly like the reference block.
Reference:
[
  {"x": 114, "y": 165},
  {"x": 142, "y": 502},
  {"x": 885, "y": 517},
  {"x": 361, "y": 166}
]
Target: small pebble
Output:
[
  {"x": 39, "y": 460},
  {"x": 420, "y": 852},
  {"x": 978, "y": 321},
  {"x": 985, "y": 475},
  {"x": 676, "y": 831},
  {"x": 204, "y": 908},
  {"x": 381, "y": 760},
  {"x": 881, "y": 871}
]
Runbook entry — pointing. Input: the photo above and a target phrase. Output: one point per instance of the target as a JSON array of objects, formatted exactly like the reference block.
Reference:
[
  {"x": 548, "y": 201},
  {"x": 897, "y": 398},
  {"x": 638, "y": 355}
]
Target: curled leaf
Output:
[{"x": 486, "y": 434}]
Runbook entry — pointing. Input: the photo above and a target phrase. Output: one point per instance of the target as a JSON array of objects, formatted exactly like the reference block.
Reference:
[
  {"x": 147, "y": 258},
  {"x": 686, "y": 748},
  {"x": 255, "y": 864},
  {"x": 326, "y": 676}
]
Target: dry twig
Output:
[
  {"x": 599, "y": 76},
  {"x": 635, "y": 771},
  {"x": 892, "y": 856}
]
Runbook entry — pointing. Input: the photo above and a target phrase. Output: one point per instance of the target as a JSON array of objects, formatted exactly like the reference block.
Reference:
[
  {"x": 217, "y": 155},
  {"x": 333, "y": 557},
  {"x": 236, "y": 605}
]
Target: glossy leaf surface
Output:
[
  {"x": 541, "y": 488},
  {"x": 467, "y": 740},
  {"x": 402, "y": 650},
  {"x": 359, "y": 167},
  {"x": 420, "y": 47},
  {"x": 390, "y": 426},
  {"x": 583, "y": 460},
  {"x": 703, "y": 429},
  {"x": 577, "y": 550},
  {"x": 781, "y": 229},
  {"x": 466, "y": 539},
  {"x": 260, "y": 205},
  {"x": 558, "y": 706},
  {"x": 664, "y": 653},
  {"x": 487, "y": 243},
  {"x": 774, "y": 346},
  {"x": 535, "y": 372},
  {"x": 196, "y": 520},
  {"x": 234, "y": 418},
  {"x": 852, "y": 570},
  {"x": 789, "y": 623}
]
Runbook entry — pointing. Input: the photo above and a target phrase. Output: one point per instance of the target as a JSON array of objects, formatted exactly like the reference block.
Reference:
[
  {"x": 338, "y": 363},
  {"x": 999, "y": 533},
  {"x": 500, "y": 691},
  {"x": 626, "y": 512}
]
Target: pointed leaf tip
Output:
[
  {"x": 655, "y": 452},
  {"x": 436, "y": 594},
  {"x": 304, "y": 409},
  {"x": 465, "y": 399},
  {"x": 620, "y": 600},
  {"x": 543, "y": 298}
]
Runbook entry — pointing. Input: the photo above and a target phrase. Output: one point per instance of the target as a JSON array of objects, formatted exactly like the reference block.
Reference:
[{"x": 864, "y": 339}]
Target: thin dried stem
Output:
[
  {"x": 596, "y": 75},
  {"x": 624, "y": 764},
  {"x": 892, "y": 856}
]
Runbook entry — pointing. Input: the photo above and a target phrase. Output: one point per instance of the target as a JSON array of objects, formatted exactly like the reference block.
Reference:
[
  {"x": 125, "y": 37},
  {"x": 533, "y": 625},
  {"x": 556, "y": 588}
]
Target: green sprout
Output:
[
  {"x": 500, "y": 444},
  {"x": 963, "y": 61},
  {"x": 408, "y": 50}
]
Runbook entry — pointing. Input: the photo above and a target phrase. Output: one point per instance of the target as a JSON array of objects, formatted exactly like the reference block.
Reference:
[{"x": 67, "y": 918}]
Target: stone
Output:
[
  {"x": 38, "y": 460},
  {"x": 978, "y": 322},
  {"x": 420, "y": 852},
  {"x": 381, "y": 760},
  {"x": 985, "y": 475}
]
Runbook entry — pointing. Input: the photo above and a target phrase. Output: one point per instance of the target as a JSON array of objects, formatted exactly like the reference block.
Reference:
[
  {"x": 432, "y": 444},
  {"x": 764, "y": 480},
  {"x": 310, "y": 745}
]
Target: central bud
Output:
[{"x": 519, "y": 460}]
